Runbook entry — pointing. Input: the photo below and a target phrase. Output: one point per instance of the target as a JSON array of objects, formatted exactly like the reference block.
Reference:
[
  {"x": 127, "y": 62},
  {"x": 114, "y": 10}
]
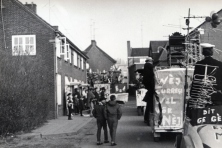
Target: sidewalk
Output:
[{"x": 60, "y": 126}]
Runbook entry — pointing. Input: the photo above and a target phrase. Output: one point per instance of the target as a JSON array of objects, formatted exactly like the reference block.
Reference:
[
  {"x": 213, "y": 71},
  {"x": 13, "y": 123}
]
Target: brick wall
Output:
[
  {"x": 18, "y": 21},
  {"x": 213, "y": 37},
  {"x": 65, "y": 68}
]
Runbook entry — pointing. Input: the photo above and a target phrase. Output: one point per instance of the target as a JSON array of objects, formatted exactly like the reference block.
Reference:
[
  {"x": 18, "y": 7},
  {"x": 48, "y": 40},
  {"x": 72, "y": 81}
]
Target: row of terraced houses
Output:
[{"x": 24, "y": 33}]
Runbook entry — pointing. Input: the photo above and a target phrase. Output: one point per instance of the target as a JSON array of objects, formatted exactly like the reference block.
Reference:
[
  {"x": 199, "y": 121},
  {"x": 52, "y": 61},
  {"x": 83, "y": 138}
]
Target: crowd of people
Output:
[{"x": 84, "y": 100}]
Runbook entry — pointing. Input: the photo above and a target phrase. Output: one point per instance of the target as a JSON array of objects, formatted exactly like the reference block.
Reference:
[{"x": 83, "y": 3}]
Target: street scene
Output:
[{"x": 93, "y": 73}]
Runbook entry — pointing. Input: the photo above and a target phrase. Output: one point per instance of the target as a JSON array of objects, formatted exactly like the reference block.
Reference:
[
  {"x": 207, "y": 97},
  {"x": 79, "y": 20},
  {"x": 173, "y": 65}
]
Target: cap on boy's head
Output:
[
  {"x": 149, "y": 59},
  {"x": 207, "y": 49},
  {"x": 112, "y": 97}
]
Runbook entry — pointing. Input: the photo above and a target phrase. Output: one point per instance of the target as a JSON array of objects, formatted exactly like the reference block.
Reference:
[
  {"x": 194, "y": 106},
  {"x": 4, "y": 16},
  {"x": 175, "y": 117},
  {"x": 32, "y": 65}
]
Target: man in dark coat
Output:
[
  {"x": 207, "y": 81},
  {"x": 149, "y": 83},
  {"x": 98, "y": 113},
  {"x": 113, "y": 113}
]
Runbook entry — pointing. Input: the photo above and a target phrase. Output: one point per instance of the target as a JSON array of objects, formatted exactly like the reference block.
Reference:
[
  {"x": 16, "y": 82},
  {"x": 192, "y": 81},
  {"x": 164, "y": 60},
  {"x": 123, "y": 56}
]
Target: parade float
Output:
[
  {"x": 111, "y": 81},
  {"x": 203, "y": 124}
]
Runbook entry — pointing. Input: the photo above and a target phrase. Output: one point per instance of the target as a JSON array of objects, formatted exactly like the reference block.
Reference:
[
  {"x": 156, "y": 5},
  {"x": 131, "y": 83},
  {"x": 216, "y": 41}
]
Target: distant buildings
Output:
[
  {"x": 98, "y": 59},
  {"x": 24, "y": 34}
]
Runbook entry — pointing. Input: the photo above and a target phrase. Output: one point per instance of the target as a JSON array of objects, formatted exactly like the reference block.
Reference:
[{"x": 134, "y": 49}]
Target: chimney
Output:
[
  {"x": 93, "y": 42},
  {"x": 129, "y": 49},
  {"x": 32, "y": 7}
]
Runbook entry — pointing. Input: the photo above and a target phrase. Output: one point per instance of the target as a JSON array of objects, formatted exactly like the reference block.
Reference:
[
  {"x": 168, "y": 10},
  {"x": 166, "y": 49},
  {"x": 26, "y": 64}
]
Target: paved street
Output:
[{"x": 132, "y": 132}]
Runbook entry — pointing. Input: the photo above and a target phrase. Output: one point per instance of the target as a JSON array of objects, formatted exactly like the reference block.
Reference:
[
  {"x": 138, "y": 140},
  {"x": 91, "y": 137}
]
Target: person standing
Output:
[
  {"x": 149, "y": 83},
  {"x": 90, "y": 96},
  {"x": 76, "y": 104},
  {"x": 81, "y": 105},
  {"x": 112, "y": 113},
  {"x": 70, "y": 105},
  {"x": 98, "y": 113},
  {"x": 102, "y": 94},
  {"x": 206, "y": 88}
]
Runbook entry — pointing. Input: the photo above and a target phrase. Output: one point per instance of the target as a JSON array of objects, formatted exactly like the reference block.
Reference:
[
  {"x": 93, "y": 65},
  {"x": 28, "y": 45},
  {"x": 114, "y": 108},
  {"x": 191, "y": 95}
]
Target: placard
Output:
[
  {"x": 208, "y": 115},
  {"x": 171, "y": 95}
]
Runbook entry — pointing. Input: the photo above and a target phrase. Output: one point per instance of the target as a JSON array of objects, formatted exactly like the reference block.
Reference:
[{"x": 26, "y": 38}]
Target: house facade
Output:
[
  {"x": 98, "y": 59},
  {"x": 205, "y": 33},
  {"x": 136, "y": 59},
  {"x": 25, "y": 34}
]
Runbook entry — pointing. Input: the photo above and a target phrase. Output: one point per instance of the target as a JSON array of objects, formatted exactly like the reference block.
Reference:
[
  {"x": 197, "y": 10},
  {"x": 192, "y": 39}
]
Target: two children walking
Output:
[{"x": 110, "y": 113}]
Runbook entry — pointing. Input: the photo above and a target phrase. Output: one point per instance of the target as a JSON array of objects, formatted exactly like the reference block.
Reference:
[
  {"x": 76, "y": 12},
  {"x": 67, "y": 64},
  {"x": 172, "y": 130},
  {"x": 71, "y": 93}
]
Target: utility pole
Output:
[{"x": 186, "y": 56}]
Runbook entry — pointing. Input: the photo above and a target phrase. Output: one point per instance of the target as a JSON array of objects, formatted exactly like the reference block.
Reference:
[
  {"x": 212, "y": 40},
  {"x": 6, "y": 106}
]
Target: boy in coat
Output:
[
  {"x": 113, "y": 113},
  {"x": 98, "y": 113}
]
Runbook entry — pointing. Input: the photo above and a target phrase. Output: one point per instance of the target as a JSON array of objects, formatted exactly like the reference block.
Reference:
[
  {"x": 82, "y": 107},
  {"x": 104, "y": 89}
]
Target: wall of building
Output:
[
  {"x": 213, "y": 37},
  {"x": 65, "y": 68},
  {"x": 18, "y": 21}
]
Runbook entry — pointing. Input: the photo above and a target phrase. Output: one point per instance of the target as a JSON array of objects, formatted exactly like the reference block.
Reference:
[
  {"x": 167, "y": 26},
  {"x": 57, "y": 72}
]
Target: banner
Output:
[{"x": 171, "y": 95}]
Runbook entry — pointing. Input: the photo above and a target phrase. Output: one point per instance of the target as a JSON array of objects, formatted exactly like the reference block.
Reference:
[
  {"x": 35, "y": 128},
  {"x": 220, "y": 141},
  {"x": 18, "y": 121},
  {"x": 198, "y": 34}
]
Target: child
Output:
[{"x": 98, "y": 113}]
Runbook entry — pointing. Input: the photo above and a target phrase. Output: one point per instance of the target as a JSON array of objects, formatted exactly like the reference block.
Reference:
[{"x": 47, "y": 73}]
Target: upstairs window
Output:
[
  {"x": 75, "y": 59},
  {"x": 23, "y": 45},
  {"x": 58, "y": 46},
  {"x": 82, "y": 64}
]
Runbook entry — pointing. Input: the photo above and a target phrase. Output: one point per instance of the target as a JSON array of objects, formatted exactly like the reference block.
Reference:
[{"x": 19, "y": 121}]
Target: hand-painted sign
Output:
[
  {"x": 208, "y": 115},
  {"x": 171, "y": 96}
]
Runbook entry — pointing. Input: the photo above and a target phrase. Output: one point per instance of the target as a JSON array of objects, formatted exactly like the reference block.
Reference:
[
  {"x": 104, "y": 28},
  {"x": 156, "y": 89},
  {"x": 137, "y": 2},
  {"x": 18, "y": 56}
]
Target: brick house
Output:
[
  {"x": 24, "y": 33},
  {"x": 98, "y": 59},
  {"x": 136, "y": 59},
  {"x": 210, "y": 35}
]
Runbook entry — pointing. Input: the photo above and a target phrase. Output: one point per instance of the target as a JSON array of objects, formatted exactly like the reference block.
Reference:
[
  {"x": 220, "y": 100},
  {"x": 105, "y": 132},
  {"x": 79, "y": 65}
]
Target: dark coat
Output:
[
  {"x": 149, "y": 81},
  {"x": 102, "y": 96},
  {"x": 98, "y": 112},
  {"x": 113, "y": 110},
  {"x": 212, "y": 73},
  {"x": 97, "y": 97},
  {"x": 90, "y": 96}
]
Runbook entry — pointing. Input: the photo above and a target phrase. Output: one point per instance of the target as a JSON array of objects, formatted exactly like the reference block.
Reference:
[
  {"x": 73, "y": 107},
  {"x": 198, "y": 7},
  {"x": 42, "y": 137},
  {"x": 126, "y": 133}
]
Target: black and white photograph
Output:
[{"x": 110, "y": 73}]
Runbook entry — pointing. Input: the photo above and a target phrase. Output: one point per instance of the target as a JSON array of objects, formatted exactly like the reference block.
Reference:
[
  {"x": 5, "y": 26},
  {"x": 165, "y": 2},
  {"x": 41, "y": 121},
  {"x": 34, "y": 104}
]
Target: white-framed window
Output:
[
  {"x": 79, "y": 61},
  {"x": 68, "y": 53},
  {"x": 63, "y": 45},
  {"x": 23, "y": 45},
  {"x": 75, "y": 59},
  {"x": 59, "y": 89},
  {"x": 82, "y": 64},
  {"x": 58, "y": 46}
]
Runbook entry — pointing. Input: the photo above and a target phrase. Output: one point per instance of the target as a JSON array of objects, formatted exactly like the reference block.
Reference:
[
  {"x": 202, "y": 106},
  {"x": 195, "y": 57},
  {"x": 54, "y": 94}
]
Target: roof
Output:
[
  {"x": 139, "y": 52},
  {"x": 48, "y": 25},
  {"x": 155, "y": 44},
  {"x": 104, "y": 53}
]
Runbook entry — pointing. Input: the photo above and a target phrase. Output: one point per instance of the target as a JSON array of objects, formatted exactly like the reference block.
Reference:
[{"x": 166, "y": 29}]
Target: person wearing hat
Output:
[
  {"x": 207, "y": 80},
  {"x": 149, "y": 83}
]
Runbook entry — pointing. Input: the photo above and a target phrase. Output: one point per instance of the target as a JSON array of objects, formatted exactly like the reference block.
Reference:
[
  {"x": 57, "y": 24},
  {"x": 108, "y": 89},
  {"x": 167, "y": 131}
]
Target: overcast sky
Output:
[{"x": 114, "y": 22}]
